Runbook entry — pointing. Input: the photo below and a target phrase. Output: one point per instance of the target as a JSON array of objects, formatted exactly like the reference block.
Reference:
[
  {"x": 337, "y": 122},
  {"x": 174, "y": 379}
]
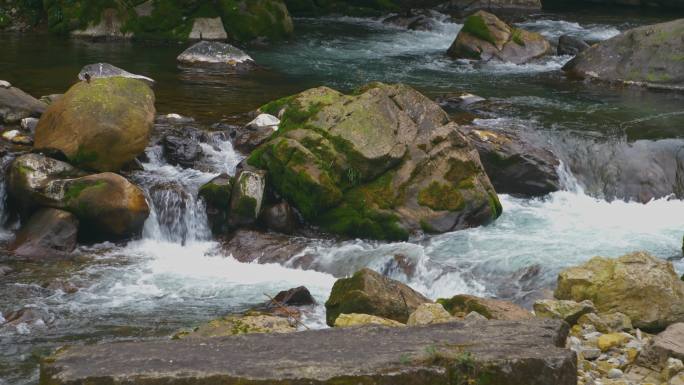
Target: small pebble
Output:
[{"x": 614, "y": 373}]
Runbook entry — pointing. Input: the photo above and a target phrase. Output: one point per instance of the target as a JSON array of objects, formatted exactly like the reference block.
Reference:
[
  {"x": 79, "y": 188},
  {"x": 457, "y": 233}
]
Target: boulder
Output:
[
  {"x": 485, "y": 37},
  {"x": 213, "y": 53},
  {"x": 515, "y": 166},
  {"x": 368, "y": 292},
  {"x": 49, "y": 233},
  {"x": 607, "y": 323},
  {"x": 571, "y": 45},
  {"x": 216, "y": 195},
  {"x": 107, "y": 205},
  {"x": 568, "y": 311},
  {"x": 651, "y": 56},
  {"x": 511, "y": 353},
  {"x": 299, "y": 296},
  {"x": 259, "y": 247},
  {"x": 100, "y": 125},
  {"x": 16, "y": 105},
  {"x": 280, "y": 217},
  {"x": 182, "y": 147},
  {"x": 428, "y": 314},
  {"x": 462, "y": 8},
  {"x": 106, "y": 70},
  {"x": 462, "y": 304},
  {"x": 109, "y": 26},
  {"x": 380, "y": 163},
  {"x": 234, "y": 325},
  {"x": 207, "y": 28},
  {"x": 253, "y": 134},
  {"x": 639, "y": 285},
  {"x": 667, "y": 344},
  {"x": 349, "y": 320},
  {"x": 247, "y": 197}
]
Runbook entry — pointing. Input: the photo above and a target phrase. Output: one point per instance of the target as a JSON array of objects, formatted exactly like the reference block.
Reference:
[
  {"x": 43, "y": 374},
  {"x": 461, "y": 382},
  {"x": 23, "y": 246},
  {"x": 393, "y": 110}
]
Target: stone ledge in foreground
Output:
[{"x": 494, "y": 352}]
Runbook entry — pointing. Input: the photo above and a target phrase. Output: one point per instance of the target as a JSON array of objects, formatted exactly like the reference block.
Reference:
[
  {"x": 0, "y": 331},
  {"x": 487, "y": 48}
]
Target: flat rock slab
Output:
[{"x": 491, "y": 352}]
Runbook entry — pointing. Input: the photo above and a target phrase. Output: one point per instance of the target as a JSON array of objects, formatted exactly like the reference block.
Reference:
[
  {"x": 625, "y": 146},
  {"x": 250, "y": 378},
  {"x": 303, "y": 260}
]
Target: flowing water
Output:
[{"x": 177, "y": 276}]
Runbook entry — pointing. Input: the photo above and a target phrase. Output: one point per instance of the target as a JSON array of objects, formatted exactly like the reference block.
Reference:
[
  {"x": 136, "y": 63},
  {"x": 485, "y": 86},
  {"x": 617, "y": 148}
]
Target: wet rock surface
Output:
[
  {"x": 650, "y": 56},
  {"x": 571, "y": 45},
  {"x": 515, "y": 166},
  {"x": 213, "y": 53},
  {"x": 106, "y": 70},
  {"x": 16, "y": 105},
  {"x": 515, "y": 353},
  {"x": 250, "y": 246},
  {"x": 50, "y": 233}
]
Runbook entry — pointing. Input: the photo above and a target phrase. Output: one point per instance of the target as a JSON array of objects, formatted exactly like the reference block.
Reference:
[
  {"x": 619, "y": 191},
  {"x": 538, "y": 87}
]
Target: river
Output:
[{"x": 177, "y": 276}]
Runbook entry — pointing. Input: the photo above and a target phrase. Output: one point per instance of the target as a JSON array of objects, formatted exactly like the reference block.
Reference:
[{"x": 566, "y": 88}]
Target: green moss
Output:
[
  {"x": 249, "y": 20},
  {"x": 495, "y": 205},
  {"x": 426, "y": 227},
  {"x": 77, "y": 188},
  {"x": 83, "y": 157},
  {"x": 274, "y": 107},
  {"x": 170, "y": 20},
  {"x": 517, "y": 37},
  {"x": 438, "y": 196},
  {"x": 476, "y": 26},
  {"x": 218, "y": 195},
  {"x": 67, "y": 15},
  {"x": 245, "y": 207}
]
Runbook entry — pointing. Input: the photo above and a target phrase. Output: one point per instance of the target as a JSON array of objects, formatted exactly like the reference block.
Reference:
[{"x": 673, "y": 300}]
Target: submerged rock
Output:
[
  {"x": 368, "y": 292},
  {"x": 100, "y": 125},
  {"x": 639, "y": 285},
  {"x": 460, "y": 305},
  {"x": 349, "y": 320},
  {"x": 651, "y": 56},
  {"x": 380, "y": 163},
  {"x": 498, "y": 7},
  {"x": 207, "y": 28},
  {"x": 50, "y": 233},
  {"x": 512, "y": 353},
  {"x": 514, "y": 165},
  {"x": 217, "y": 54},
  {"x": 106, "y": 70},
  {"x": 485, "y": 37},
  {"x": 16, "y": 105},
  {"x": 571, "y": 45}
]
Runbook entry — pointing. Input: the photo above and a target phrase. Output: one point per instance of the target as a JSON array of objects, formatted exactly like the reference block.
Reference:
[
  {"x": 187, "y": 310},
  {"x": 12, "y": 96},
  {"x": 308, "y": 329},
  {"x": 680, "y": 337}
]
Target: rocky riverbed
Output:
[{"x": 424, "y": 182}]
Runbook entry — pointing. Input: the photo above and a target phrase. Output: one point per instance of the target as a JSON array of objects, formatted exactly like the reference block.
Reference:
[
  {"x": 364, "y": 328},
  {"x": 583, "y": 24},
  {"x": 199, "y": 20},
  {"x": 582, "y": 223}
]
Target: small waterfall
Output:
[
  {"x": 568, "y": 180},
  {"x": 177, "y": 215}
]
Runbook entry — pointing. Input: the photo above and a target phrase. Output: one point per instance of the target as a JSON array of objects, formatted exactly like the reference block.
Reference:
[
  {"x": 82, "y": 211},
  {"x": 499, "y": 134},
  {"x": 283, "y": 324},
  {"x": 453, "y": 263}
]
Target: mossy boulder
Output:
[
  {"x": 462, "y": 304},
  {"x": 216, "y": 195},
  {"x": 349, "y": 320},
  {"x": 651, "y": 56},
  {"x": 568, "y": 311},
  {"x": 368, "y": 292},
  {"x": 639, "y": 285},
  {"x": 380, "y": 163},
  {"x": 485, "y": 37},
  {"x": 99, "y": 125},
  {"x": 106, "y": 205}
]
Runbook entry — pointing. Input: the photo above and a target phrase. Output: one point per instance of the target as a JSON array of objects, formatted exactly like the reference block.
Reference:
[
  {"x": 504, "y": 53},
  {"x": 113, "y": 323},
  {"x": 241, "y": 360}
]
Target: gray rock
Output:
[
  {"x": 571, "y": 45},
  {"x": 214, "y": 53},
  {"x": 464, "y": 8},
  {"x": 669, "y": 343},
  {"x": 16, "y": 105},
  {"x": 417, "y": 20},
  {"x": 182, "y": 146},
  {"x": 299, "y": 296},
  {"x": 512, "y": 353},
  {"x": 50, "y": 233},
  {"x": 106, "y": 70},
  {"x": 514, "y": 165},
  {"x": 650, "y": 56},
  {"x": 204, "y": 28},
  {"x": 247, "y": 197},
  {"x": 254, "y": 246},
  {"x": 281, "y": 218},
  {"x": 29, "y": 124}
]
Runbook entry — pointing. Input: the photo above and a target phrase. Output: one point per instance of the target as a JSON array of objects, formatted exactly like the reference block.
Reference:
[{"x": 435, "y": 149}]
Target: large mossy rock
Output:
[
  {"x": 216, "y": 195},
  {"x": 485, "y": 37},
  {"x": 99, "y": 125},
  {"x": 643, "y": 287},
  {"x": 106, "y": 204},
  {"x": 379, "y": 163},
  {"x": 651, "y": 56},
  {"x": 368, "y": 292}
]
